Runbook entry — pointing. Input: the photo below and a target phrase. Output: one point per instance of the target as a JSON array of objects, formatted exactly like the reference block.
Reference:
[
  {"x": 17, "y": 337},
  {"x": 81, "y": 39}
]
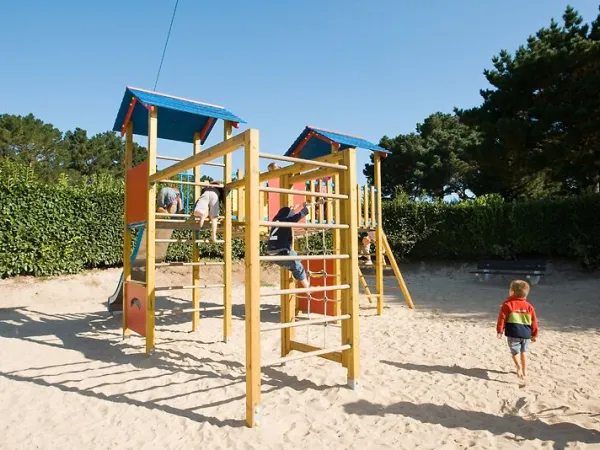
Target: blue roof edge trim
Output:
[
  {"x": 181, "y": 117},
  {"x": 312, "y": 149}
]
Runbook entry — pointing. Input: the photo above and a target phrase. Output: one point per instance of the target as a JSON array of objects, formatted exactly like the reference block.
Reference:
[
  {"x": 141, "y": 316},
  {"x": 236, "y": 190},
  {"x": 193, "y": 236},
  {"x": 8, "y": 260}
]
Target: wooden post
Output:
[
  {"x": 252, "y": 301},
  {"x": 397, "y": 273},
  {"x": 126, "y": 233},
  {"x": 321, "y": 206},
  {"x": 366, "y": 205},
  {"x": 227, "y": 237},
  {"x": 195, "y": 249},
  {"x": 359, "y": 206},
  {"x": 286, "y": 281},
  {"x": 151, "y": 230},
  {"x": 312, "y": 210},
  {"x": 241, "y": 199},
  {"x": 349, "y": 245},
  {"x": 335, "y": 212},
  {"x": 373, "y": 207},
  {"x": 378, "y": 236}
]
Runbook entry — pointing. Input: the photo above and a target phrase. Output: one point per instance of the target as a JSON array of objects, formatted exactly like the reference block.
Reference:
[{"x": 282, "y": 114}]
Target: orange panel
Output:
[
  {"x": 136, "y": 308},
  {"x": 318, "y": 307},
  {"x": 137, "y": 193},
  {"x": 273, "y": 199}
]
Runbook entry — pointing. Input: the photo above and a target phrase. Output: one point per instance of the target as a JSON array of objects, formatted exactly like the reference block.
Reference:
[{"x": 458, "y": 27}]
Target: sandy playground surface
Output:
[{"x": 434, "y": 378}]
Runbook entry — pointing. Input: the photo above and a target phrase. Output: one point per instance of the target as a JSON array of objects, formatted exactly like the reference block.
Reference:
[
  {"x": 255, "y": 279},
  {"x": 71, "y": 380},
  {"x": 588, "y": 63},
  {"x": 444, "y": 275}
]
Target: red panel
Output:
[
  {"x": 318, "y": 307},
  {"x": 273, "y": 199},
  {"x": 136, "y": 308},
  {"x": 137, "y": 193}
]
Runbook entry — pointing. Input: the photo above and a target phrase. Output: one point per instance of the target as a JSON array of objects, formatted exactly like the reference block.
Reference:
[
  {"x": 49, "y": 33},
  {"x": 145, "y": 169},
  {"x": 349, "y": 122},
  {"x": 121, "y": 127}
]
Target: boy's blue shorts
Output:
[{"x": 518, "y": 345}]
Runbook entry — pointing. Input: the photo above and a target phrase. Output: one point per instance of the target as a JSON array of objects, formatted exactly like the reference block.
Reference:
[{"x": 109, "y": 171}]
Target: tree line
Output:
[
  {"x": 536, "y": 133},
  {"x": 50, "y": 152}
]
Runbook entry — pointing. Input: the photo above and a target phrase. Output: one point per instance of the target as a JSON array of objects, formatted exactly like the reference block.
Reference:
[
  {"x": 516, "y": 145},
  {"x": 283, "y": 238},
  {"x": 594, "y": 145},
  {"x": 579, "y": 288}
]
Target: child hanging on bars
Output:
[
  {"x": 208, "y": 206},
  {"x": 281, "y": 241},
  {"x": 169, "y": 201}
]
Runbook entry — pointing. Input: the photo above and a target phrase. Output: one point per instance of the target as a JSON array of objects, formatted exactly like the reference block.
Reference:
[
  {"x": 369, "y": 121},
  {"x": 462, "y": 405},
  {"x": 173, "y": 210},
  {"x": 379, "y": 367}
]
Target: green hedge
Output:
[
  {"x": 61, "y": 228},
  {"x": 490, "y": 228}
]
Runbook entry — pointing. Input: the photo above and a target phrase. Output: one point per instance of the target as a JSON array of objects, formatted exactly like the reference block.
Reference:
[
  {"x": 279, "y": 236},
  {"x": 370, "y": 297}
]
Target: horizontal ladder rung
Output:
[
  {"x": 306, "y": 290},
  {"x": 304, "y": 193},
  {"x": 308, "y": 162},
  {"x": 202, "y": 263},
  {"x": 188, "y": 241},
  {"x": 196, "y": 286},
  {"x": 174, "y": 158},
  {"x": 319, "y": 226},
  {"x": 139, "y": 283},
  {"x": 322, "y": 274},
  {"x": 318, "y": 352},
  {"x": 192, "y": 183},
  {"x": 164, "y": 312},
  {"x": 302, "y": 323},
  {"x": 302, "y": 257}
]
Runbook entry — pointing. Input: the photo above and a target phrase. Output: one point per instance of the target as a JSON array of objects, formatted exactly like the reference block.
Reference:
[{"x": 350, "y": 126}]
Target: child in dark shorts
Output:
[{"x": 518, "y": 322}]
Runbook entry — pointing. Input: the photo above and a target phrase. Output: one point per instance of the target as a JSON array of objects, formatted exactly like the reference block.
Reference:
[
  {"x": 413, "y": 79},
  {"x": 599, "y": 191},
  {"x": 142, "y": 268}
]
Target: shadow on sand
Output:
[{"x": 522, "y": 429}]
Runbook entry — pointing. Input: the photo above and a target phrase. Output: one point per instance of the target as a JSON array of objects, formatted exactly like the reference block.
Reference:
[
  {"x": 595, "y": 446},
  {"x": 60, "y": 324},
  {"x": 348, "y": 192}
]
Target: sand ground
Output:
[{"x": 434, "y": 378}]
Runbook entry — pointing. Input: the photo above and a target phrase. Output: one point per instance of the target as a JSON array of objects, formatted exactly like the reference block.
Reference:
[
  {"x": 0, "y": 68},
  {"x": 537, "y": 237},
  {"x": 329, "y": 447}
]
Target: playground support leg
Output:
[
  {"x": 378, "y": 236},
  {"x": 349, "y": 245},
  {"x": 195, "y": 250},
  {"x": 252, "y": 262},
  {"x": 151, "y": 231},
  {"x": 288, "y": 302},
  {"x": 126, "y": 232},
  {"x": 227, "y": 237}
]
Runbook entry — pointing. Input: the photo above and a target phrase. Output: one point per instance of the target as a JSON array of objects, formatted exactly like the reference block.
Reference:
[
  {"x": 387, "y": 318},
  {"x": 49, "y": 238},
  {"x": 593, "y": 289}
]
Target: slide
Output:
[{"x": 138, "y": 263}]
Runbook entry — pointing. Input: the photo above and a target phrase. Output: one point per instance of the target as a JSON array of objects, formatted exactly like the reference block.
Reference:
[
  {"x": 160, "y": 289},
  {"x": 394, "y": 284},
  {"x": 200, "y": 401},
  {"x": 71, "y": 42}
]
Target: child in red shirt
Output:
[{"x": 517, "y": 320}]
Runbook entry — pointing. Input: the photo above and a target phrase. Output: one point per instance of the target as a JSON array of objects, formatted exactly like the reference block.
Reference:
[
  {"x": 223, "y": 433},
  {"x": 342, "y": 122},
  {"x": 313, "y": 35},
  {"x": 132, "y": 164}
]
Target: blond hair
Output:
[{"x": 519, "y": 288}]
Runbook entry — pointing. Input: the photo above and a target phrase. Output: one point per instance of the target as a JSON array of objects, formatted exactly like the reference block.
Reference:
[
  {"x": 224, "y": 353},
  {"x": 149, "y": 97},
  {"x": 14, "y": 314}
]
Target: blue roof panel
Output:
[
  {"x": 312, "y": 145},
  {"x": 179, "y": 118}
]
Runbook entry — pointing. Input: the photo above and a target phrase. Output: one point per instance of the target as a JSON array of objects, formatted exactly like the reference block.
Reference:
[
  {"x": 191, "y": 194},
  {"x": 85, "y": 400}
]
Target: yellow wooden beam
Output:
[
  {"x": 195, "y": 249},
  {"x": 252, "y": 300},
  {"x": 297, "y": 169},
  {"x": 127, "y": 234},
  {"x": 333, "y": 209},
  {"x": 349, "y": 244},
  {"x": 227, "y": 237},
  {"x": 399, "y": 276},
  {"x": 379, "y": 286},
  {"x": 216, "y": 151},
  {"x": 286, "y": 281},
  {"x": 151, "y": 231}
]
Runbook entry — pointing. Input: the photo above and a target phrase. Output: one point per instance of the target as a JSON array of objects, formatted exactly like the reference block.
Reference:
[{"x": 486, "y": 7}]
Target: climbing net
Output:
[{"x": 313, "y": 247}]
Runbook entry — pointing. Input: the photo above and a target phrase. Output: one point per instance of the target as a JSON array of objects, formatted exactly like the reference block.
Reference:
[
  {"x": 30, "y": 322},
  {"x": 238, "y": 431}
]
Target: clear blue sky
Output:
[{"x": 370, "y": 68}]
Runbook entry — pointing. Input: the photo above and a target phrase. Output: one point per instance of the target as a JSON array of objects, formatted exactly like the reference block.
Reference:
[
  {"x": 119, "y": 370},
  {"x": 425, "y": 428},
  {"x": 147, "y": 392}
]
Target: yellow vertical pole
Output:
[
  {"x": 126, "y": 233},
  {"x": 286, "y": 281},
  {"x": 359, "y": 206},
  {"x": 321, "y": 207},
  {"x": 378, "y": 236},
  {"x": 252, "y": 301},
  {"x": 151, "y": 230},
  {"x": 227, "y": 237},
  {"x": 335, "y": 212},
  {"x": 350, "y": 297},
  {"x": 311, "y": 188},
  {"x": 366, "y": 205},
  {"x": 195, "y": 249},
  {"x": 241, "y": 198},
  {"x": 373, "y": 207}
]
